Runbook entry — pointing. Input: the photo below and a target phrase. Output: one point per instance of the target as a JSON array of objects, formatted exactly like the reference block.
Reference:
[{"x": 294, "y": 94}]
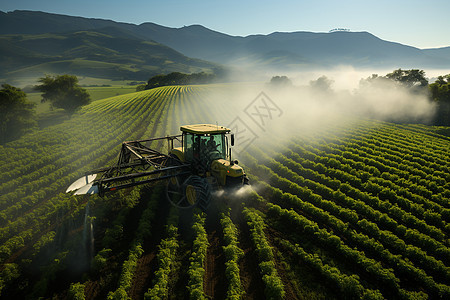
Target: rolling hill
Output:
[
  {"x": 353, "y": 209},
  {"x": 110, "y": 53}
]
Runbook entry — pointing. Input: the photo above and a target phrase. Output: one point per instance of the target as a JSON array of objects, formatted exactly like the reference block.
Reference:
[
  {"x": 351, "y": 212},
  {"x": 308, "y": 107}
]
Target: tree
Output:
[
  {"x": 63, "y": 91},
  {"x": 17, "y": 114},
  {"x": 443, "y": 79},
  {"x": 440, "y": 93},
  {"x": 409, "y": 78},
  {"x": 374, "y": 79},
  {"x": 282, "y": 81},
  {"x": 140, "y": 87},
  {"x": 440, "y": 89},
  {"x": 322, "y": 84}
]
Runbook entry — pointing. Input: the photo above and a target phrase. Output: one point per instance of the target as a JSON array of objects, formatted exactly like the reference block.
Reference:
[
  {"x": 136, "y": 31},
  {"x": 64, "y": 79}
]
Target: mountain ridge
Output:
[{"x": 277, "y": 50}]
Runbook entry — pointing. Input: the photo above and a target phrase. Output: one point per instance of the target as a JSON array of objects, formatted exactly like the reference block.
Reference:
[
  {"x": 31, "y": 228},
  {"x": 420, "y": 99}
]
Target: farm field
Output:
[{"x": 357, "y": 209}]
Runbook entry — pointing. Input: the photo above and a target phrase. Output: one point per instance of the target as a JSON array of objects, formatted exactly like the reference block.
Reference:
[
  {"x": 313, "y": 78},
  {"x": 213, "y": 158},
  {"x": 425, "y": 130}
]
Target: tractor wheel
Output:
[
  {"x": 194, "y": 191},
  {"x": 246, "y": 180}
]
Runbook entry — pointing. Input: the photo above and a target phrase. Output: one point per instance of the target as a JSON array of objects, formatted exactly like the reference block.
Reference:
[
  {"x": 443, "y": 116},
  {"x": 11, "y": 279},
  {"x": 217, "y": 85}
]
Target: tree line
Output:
[
  {"x": 177, "y": 78},
  {"x": 440, "y": 92}
]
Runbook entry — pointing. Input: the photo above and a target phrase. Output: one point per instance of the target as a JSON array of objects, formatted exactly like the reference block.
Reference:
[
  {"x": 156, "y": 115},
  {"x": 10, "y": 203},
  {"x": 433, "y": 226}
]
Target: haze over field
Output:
[{"x": 265, "y": 110}]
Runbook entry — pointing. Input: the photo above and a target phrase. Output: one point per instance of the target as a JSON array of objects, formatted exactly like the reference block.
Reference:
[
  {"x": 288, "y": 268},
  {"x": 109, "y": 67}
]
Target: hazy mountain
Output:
[
  {"x": 360, "y": 49},
  {"x": 443, "y": 53},
  {"x": 137, "y": 46}
]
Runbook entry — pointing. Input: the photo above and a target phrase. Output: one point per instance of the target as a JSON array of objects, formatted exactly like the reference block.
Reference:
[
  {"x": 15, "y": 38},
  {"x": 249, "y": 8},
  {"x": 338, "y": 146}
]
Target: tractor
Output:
[{"x": 197, "y": 163}]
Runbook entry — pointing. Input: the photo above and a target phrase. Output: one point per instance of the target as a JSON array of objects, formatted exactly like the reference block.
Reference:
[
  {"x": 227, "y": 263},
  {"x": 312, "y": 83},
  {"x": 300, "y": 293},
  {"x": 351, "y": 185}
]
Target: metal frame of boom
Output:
[{"x": 139, "y": 164}]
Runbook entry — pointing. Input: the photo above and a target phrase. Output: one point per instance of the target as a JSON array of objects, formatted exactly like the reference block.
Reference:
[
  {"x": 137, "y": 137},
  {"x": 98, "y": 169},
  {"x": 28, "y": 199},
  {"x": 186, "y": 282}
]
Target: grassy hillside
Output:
[
  {"x": 106, "y": 53},
  {"x": 353, "y": 210}
]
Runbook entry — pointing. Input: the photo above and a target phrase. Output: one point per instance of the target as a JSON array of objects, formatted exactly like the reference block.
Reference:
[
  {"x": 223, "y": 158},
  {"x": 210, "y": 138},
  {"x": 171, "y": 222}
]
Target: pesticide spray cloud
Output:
[{"x": 311, "y": 101}]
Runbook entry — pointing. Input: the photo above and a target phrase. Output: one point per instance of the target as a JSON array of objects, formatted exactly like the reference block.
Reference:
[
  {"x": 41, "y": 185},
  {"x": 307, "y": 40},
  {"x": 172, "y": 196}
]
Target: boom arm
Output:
[{"x": 137, "y": 164}]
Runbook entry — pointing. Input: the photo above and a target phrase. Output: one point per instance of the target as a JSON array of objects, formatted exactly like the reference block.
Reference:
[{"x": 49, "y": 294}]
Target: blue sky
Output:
[{"x": 418, "y": 23}]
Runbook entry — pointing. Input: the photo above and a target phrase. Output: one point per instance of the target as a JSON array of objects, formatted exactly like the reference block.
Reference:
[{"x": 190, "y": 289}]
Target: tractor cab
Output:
[
  {"x": 205, "y": 147},
  {"x": 204, "y": 143}
]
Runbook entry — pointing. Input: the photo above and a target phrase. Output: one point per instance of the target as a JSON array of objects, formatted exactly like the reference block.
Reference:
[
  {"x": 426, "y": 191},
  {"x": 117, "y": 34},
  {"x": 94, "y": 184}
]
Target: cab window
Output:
[
  {"x": 188, "y": 146},
  {"x": 204, "y": 147}
]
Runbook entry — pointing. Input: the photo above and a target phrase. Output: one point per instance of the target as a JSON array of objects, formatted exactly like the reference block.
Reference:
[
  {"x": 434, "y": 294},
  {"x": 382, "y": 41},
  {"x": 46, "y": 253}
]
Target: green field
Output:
[
  {"x": 103, "y": 92},
  {"x": 349, "y": 210}
]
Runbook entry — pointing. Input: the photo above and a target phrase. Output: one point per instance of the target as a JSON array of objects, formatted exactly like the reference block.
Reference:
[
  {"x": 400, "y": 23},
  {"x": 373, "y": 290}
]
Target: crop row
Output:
[
  {"x": 196, "y": 270},
  {"x": 333, "y": 215},
  {"x": 429, "y": 172},
  {"x": 322, "y": 185},
  {"x": 274, "y": 288},
  {"x": 348, "y": 286},
  {"x": 349, "y": 171},
  {"x": 233, "y": 254},
  {"x": 385, "y": 277},
  {"x": 332, "y": 189},
  {"x": 331, "y": 170},
  {"x": 166, "y": 256}
]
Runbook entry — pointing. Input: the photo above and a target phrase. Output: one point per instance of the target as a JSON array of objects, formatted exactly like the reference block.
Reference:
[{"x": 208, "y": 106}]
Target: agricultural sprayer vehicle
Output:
[{"x": 198, "y": 162}]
